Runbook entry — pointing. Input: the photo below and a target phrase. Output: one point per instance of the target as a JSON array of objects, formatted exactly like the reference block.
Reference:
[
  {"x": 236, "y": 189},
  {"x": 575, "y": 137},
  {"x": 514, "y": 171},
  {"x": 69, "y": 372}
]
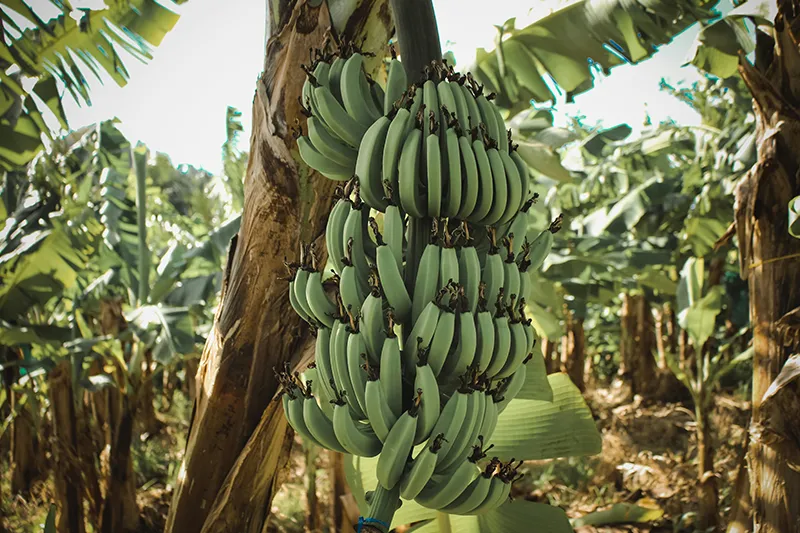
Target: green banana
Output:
[
  {"x": 391, "y": 373},
  {"x": 500, "y": 191},
  {"x": 462, "y": 443},
  {"x": 422, "y": 333},
  {"x": 443, "y": 489},
  {"x": 524, "y": 174},
  {"x": 316, "y": 160},
  {"x": 394, "y": 230},
  {"x": 489, "y": 417},
  {"x": 380, "y": 416},
  {"x": 430, "y": 103},
  {"x": 428, "y": 390},
  {"x": 473, "y": 112},
  {"x": 335, "y": 77},
  {"x": 368, "y": 164},
  {"x": 484, "y": 329},
  {"x": 489, "y": 118},
  {"x": 391, "y": 277},
  {"x": 514, "y": 181},
  {"x": 322, "y": 358},
  {"x": 442, "y": 340},
  {"x": 293, "y": 408},
  {"x": 495, "y": 496},
  {"x": 296, "y": 304},
  {"x": 504, "y": 135},
  {"x": 427, "y": 280},
  {"x": 475, "y": 493},
  {"x": 378, "y": 96},
  {"x": 452, "y": 203},
  {"x": 461, "y": 110},
  {"x": 355, "y": 437},
  {"x": 485, "y": 181},
  {"x": 373, "y": 322},
  {"x": 353, "y": 232},
  {"x": 466, "y": 342},
  {"x": 350, "y": 289},
  {"x": 396, "y": 84},
  {"x": 513, "y": 385},
  {"x": 448, "y": 264},
  {"x": 502, "y": 342},
  {"x": 355, "y": 91},
  {"x": 493, "y": 275},
  {"x": 433, "y": 166},
  {"x": 469, "y": 271},
  {"x": 541, "y": 246},
  {"x": 445, "y": 96},
  {"x": 517, "y": 351},
  {"x": 393, "y": 147},
  {"x": 511, "y": 279},
  {"x": 299, "y": 286},
  {"x": 396, "y": 448},
  {"x": 356, "y": 352},
  {"x": 340, "y": 335},
  {"x": 320, "y": 426},
  {"x": 337, "y": 119},
  {"x": 329, "y": 146},
  {"x": 470, "y": 178},
  {"x": 334, "y": 233},
  {"x": 421, "y": 469},
  {"x": 318, "y": 302},
  {"x": 408, "y": 175}
]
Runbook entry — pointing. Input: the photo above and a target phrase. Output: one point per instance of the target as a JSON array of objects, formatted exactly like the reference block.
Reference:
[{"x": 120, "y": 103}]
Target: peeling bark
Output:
[
  {"x": 239, "y": 440},
  {"x": 574, "y": 348},
  {"x": 761, "y": 219},
  {"x": 66, "y": 465},
  {"x": 637, "y": 344}
]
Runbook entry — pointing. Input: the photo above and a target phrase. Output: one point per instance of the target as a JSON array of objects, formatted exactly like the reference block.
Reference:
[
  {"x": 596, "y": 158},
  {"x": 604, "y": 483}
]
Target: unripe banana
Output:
[
  {"x": 450, "y": 420},
  {"x": 391, "y": 373},
  {"x": 356, "y": 353},
  {"x": 484, "y": 328},
  {"x": 442, "y": 340},
  {"x": 514, "y": 181},
  {"x": 433, "y": 166},
  {"x": 293, "y": 408},
  {"x": 396, "y": 448},
  {"x": 356, "y": 438},
  {"x": 502, "y": 343},
  {"x": 336, "y": 118},
  {"x": 322, "y": 358},
  {"x": 421, "y": 469},
  {"x": 462, "y": 444},
  {"x": 452, "y": 173},
  {"x": 428, "y": 391},
  {"x": 489, "y": 118},
  {"x": 394, "y": 230},
  {"x": 335, "y": 77},
  {"x": 340, "y": 335},
  {"x": 368, "y": 164},
  {"x": 473, "y": 112},
  {"x": 500, "y": 190},
  {"x": 427, "y": 281},
  {"x": 373, "y": 323},
  {"x": 461, "y": 110},
  {"x": 471, "y": 180},
  {"x": 475, "y": 493},
  {"x": 329, "y": 146},
  {"x": 408, "y": 176},
  {"x": 444, "y": 489},
  {"x": 517, "y": 352},
  {"x": 489, "y": 417},
  {"x": 512, "y": 386},
  {"x": 355, "y": 91},
  {"x": 318, "y": 302},
  {"x": 393, "y": 147},
  {"x": 380, "y": 416},
  {"x": 396, "y": 84},
  {"x": 422, "y": 333},
  {"x": 495, "y": 496},
  {"x": 320, "y": 426},
  {"x": 493, "y": 277},
  {"x": 485, "y": 182},
  {"x": 334, "y": 233},
  {"x": 511, "y": 280}
]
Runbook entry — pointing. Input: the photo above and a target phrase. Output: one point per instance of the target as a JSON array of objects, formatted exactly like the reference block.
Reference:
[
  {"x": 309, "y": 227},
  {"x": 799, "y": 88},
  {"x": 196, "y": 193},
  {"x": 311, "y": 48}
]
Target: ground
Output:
[{"x": 648, "y": 458}]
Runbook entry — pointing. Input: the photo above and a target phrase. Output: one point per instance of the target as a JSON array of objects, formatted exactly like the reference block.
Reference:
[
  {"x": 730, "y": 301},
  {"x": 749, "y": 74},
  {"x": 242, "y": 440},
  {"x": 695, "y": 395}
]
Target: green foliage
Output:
[
  {"x": 794, "y": 217},
  {"x": 61, "y": 53},
  {"x": 568, "y": 44}
]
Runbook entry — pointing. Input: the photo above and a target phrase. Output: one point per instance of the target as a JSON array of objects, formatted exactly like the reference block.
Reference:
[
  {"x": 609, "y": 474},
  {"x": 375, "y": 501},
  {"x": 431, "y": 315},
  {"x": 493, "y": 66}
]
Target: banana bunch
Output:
[{"x": 415, "y": 357}]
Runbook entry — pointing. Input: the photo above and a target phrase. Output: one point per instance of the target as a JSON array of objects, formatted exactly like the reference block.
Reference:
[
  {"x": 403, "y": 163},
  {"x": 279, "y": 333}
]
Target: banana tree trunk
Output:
[
  {"x": 238, "y": 439},
  {"x": 27, "y": 457},
  {"x": 574, "y": 349},
  {"x": 769, "y": 261},
  {"x": 66, "y": 467},
  {"x": 120, "y": 512},
  {"x": 707, "y": 489},
  {"x": 637, "y": 344}
]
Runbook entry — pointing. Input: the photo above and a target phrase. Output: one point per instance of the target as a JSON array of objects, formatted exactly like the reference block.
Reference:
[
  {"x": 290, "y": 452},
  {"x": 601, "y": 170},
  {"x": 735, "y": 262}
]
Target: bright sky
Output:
[{"x": 212, "y": 58}]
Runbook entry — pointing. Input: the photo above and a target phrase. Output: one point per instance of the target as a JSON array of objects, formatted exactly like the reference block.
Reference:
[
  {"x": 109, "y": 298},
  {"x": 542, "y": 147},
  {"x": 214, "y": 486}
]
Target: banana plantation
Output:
[{"x": 428, "y": 294}]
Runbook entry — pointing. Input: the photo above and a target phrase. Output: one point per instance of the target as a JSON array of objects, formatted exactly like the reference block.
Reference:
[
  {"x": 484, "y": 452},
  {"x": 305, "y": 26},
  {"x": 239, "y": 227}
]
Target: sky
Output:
[{"x": 213, "y": 57}]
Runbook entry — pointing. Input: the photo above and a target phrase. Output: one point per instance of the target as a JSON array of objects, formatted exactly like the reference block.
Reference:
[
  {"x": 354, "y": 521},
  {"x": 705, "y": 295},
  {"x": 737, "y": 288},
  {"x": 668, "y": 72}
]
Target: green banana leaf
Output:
[
  {"x": 50, "y": 521},
  {"x": 32, "y": 334},
  {"x": 537, "y": 386},
  {"x": 717, "y": 46},
  {"x": 65, "y": 50},
  {"x": 619, "y": 513},
  {"x": 168, "y": 331},
  {"x": 566, "y": 45},
  {"x": 518, "y": 515},
  {"x": 535, "y": 430}
]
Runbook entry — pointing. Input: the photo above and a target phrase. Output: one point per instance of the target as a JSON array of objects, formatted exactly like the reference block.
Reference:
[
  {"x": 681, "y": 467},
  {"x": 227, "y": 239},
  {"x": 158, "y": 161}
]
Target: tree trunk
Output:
[
  {"x": 238, "y": 439},
  {"x": 575, "y": 351},
  {"x": 312, "y": 502},
  {"x": 637, "y": 344},
  {"x": 549, "y": 352},
  {"x": 338, "y": 490},
  {"x": 120, "y": 512},
  {"x": 769, "y": 261},
  {"x": 661, "y": 346},
  {"x": 146, "y": 419},
  {"x": 671, "y": 324},
  {"x": 27, "y": 456},
  {"x": 66, "y": 465},
  {"x": 741, "y": 515},
  {"x": 707, "y": 490}
]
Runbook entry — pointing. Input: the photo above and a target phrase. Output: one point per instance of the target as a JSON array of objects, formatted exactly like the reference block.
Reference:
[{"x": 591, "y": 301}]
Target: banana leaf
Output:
[
  {"x": 535, "y": 430},
  {"x": 518, "y": 515}
]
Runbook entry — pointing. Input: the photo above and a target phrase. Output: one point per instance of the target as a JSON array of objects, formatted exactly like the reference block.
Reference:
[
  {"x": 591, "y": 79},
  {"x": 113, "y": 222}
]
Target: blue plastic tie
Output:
[{"x": 364, "y": 521}]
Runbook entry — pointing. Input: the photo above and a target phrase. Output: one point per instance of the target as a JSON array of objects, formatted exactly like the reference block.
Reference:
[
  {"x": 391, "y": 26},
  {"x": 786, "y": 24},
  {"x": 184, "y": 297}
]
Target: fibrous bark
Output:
[
  {"x": 769, "y": 262},
  {"x": 637, "y": 344},
  {"x": 239, "y": 439}
]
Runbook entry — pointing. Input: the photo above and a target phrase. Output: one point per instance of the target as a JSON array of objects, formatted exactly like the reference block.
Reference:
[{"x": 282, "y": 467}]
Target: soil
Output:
[{"x": 648, "y": 459}]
